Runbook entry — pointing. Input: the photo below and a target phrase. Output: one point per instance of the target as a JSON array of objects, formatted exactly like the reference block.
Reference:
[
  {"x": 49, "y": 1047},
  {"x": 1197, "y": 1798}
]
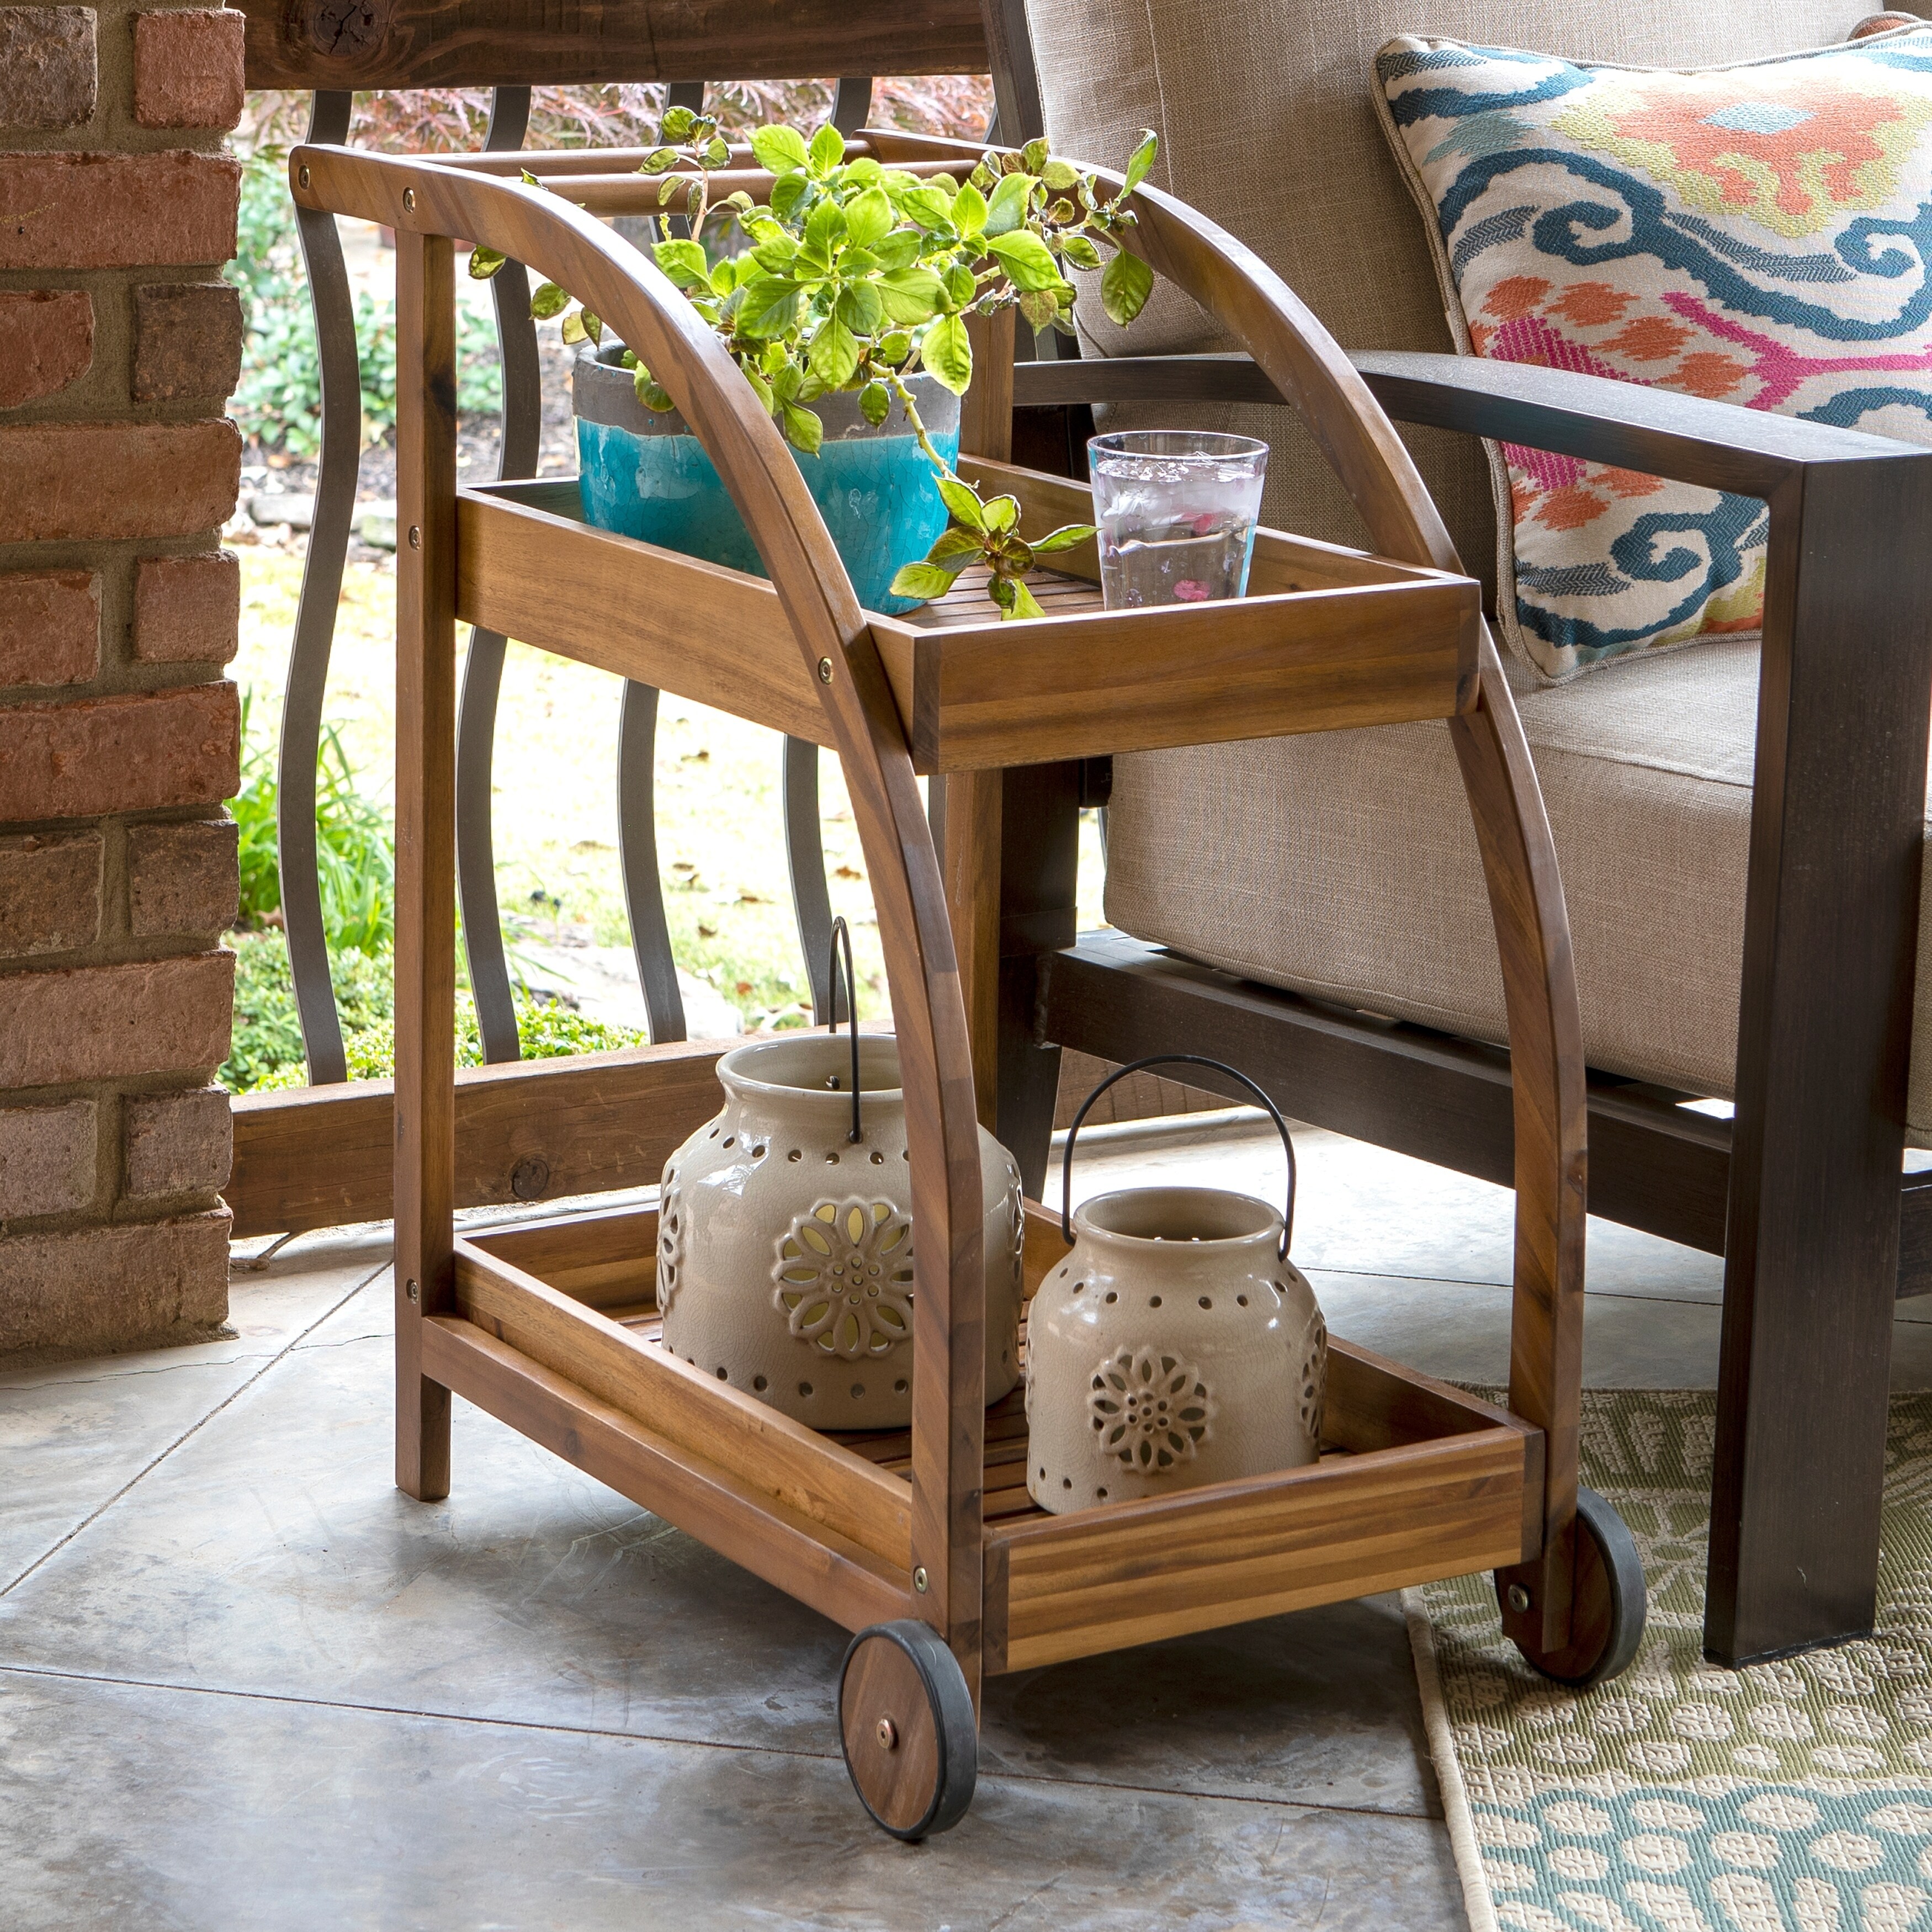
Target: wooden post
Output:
[
  {"x": 425, "y": 843},
  {"x": 971, "y": 815}
]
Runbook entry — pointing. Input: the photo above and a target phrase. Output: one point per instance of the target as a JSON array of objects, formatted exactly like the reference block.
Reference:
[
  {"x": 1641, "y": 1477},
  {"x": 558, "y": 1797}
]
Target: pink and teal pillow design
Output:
[{"x": 1759, "y": 234}]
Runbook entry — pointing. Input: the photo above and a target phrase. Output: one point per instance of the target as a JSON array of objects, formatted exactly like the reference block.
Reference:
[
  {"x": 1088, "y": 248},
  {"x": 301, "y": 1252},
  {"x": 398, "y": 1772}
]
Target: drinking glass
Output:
[{"x": 1177, "y": 510}]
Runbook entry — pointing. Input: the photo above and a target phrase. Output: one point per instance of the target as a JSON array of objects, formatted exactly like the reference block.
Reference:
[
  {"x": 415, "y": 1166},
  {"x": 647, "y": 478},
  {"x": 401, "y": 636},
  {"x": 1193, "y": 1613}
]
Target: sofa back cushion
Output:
[
  {"x": 1267, "y": 122},
  {"x": 1758, "y": 233}
]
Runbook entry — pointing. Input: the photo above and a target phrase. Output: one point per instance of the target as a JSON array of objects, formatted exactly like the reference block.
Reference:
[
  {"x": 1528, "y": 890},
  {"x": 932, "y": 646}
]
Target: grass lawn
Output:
[{"x": 720, "y": 834}]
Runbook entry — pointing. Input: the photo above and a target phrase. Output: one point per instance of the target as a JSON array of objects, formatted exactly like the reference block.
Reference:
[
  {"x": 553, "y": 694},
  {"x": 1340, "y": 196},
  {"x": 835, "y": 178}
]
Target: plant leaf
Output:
[
  {"x": 802, "y": 429},
  {"x": 761, "y": 387},
  {"x": 1069, "y": 536},
  {"x": 684, "y": 262},
  {"x": 780, "y": 151},
  {"x": 834, "y": 355},
  {"x": 678, "y": 122},
  {"x": 954, "y": 548},
  {"x": 860, "y": 307},
  {"x": 1028, "y": 260},
  {"x": 1078, "y": 252},
  {"x": 1060, "y": 176},
  {"x": 1002, "y": 512},
  {"x": 963, "y": 501},
  {"x": 1007, "y": 209},
  {"x": 1032, "y": 156},
  {"x": 898, "y": 249},
  {"x": 911, "y": 295},
  {"x": 875, "y": 403},
  {"x": 1125, "y": 287},
  {"x": 483, "y": 262},
  {"x": 961, "y": 285},
  {"x": 549, "y": 300},
  {"x": 1024, "y": 603},
  {"x": 946, "y": 352},
  {"x": 969, "y": 211},
  {"x": 768, "y": 306},
  {"x": 1039, "y": 307},
  {"x": 869, "y": 216},
  {"x": 827, "y": 149},
  {"x": 724, "y": 277},
  {"x": 921, "y": 580},
  {"x": 1142, "y": 160},
  {"x": 717, "y": 152},
  {"x": 893, "y": 349},
  {"x": 929, "y": 205}
]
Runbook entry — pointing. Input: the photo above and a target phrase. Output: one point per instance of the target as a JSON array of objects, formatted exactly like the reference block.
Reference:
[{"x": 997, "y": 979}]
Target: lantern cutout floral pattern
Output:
[
  {"x": 1150, "y": 1410},
  {"x": 844, "y": 1278}
]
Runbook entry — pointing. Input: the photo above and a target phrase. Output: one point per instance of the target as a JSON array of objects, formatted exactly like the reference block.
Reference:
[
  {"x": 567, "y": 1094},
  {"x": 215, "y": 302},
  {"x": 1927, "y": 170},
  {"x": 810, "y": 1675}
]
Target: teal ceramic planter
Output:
[{"x": 647, "y": 475}]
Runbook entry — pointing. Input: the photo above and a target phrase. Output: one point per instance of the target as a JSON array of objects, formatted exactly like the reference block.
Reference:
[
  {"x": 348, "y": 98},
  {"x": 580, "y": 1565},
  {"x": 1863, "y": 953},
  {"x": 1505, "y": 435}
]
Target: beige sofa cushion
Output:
[
  {"x": 1267, "y": 124},
  {"x": 1344, "y": 865}
]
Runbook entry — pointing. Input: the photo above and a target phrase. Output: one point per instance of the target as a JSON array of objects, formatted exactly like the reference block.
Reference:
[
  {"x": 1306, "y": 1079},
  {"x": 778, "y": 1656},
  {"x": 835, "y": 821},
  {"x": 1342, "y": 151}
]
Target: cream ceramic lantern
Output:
[
  {"x": 784, "y": 1260},
  {"x": 1176, "y": 1345}
]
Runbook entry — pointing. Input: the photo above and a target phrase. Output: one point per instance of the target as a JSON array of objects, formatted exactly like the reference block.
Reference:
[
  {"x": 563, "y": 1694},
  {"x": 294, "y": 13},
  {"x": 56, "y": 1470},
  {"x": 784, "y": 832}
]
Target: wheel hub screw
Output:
[
  {"x": 409, "y": 199},
  {"x": 888, "y": 1736},
  {"x": 825, "y": 670},
  {"x": 304, "y": 177},
  {"x": 1518, "y": 1598},
  {"x": 919, "y": 1579}
]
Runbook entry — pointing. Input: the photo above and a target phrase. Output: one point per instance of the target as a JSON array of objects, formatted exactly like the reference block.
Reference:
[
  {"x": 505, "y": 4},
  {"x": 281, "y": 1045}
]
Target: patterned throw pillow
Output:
[{"x": 1759, "y": 234}]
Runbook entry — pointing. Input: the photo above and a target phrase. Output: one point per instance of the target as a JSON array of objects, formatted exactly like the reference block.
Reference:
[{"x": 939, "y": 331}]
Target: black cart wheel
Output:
[
  {"x": 1606, "y": 1625},
  {"x": 905, "y": 1719}
]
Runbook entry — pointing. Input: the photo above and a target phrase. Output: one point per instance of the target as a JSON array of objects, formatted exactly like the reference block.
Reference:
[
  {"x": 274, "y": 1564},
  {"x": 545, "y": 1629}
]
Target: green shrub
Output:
[
  {"x": 355, "y": 844},
  {"x": 268, "y": 1049},
  {"x": 280, "y": 398}
]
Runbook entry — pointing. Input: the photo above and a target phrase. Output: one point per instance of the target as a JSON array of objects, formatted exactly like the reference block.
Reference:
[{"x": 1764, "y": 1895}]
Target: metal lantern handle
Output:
[
  {"x": 840, "y": 930},
  {"x": 1166, "y": 1059}
]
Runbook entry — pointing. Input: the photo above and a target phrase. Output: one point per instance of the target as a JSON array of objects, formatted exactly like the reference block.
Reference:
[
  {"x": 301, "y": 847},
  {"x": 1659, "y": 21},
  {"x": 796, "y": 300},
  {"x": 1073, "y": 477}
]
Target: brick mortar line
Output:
[
  {"x": 1011, "y": 1776},
  {"x": 241, "y": 1389}
]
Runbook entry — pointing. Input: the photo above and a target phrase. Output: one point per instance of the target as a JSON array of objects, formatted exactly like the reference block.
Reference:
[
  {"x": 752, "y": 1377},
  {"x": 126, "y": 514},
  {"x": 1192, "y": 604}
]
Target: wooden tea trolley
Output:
[{"x": 924, "y": 1542}]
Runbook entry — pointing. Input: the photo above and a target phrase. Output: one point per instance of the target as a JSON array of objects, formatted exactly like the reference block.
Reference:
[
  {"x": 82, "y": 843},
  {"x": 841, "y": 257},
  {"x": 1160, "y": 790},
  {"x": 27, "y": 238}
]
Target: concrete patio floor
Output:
[{"x": 245, "y": 1683}]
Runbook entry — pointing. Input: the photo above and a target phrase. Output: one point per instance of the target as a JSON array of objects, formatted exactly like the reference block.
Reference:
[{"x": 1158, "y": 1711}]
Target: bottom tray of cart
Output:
[{"x": 555, "y": 1332}]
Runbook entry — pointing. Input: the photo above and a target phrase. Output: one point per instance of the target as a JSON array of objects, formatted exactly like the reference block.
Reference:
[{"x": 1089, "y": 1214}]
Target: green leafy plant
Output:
[{"x": 857, "y": 275}]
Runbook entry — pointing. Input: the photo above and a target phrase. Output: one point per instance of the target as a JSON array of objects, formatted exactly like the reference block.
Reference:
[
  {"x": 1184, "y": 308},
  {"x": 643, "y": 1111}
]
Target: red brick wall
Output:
[{"x": 118, "y": 346}]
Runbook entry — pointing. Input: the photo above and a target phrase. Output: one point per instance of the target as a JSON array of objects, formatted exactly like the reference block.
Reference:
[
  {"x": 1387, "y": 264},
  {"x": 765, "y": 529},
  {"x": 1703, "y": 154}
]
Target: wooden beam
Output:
[
  {"x": 535, "y": 1130},
  {"x": 835, "y": 1576},
  {"x": 395, "y": 43}
]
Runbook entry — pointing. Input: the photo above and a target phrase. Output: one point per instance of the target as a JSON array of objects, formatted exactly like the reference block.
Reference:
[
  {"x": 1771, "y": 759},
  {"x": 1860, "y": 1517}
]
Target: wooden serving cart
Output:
[{"x": 924, "y": 1542}]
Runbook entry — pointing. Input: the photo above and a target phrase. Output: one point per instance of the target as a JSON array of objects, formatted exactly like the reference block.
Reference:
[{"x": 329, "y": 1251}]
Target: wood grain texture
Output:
[
  {"x": 529, "y": 566},
  {"x": 324, "y": 1157},
  {"x": 837, "y": 1577},
  {"x": 408, "y": 43},
  {"x": 899, "y": 1780},
  {"x": 1095, "y": 682},
  {"x": 970, "y": 853},
  {"x": 425, "y": 1119},
  {"x": 1133, "y": 1573},
  {"x": 806, "y": 1472},
  {"x": 986, "y": 409}
]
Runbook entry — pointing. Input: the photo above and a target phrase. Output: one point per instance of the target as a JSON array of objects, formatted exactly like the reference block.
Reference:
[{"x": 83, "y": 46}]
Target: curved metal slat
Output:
[
  {"x": 315, "y": 615},
  {"x": 851, "y": 102},
  {"x": 637, "y": 850},
  {"x": 636, "y": 809},
  {"x": 805, "y": 855},
  {"x": 483, "y": 666}
]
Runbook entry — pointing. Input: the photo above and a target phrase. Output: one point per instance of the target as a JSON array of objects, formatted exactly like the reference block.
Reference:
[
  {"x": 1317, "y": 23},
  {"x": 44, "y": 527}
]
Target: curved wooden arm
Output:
[{"x": 634, "y": 298}]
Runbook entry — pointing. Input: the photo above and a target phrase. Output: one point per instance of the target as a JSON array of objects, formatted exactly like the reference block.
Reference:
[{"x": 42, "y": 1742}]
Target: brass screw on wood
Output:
[
  {"x": 415, "y": 536},
  {"x": 1518, "y": 1598},
  {"x": 889, "y": 1737},
  {"x": 303, "y": 177},
  {"x": 414, "y": 1293},
  {"x": 409, "y": 199},
  {"x": 825, "y": 670},
  {"x": 919, "y": 1579}
]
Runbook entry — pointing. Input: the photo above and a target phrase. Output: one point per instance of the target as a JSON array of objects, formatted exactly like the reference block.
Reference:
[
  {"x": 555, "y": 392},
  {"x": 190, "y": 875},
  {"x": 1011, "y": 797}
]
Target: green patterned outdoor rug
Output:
[{"x": 1790, "y": 1797}]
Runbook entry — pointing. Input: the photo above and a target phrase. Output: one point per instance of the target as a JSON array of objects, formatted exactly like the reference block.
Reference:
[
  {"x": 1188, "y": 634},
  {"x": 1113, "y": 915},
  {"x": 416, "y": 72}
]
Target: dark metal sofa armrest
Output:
[{"x": 1719, "y": 445}]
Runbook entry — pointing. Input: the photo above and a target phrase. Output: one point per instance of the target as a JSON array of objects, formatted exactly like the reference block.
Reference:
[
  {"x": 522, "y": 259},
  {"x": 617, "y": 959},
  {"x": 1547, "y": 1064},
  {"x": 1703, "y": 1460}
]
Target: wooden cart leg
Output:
[
  {"x": 1546, "y": 1071},
  {"x": 425, "y": 843},
  {"x": 1040, "y": 860}
]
